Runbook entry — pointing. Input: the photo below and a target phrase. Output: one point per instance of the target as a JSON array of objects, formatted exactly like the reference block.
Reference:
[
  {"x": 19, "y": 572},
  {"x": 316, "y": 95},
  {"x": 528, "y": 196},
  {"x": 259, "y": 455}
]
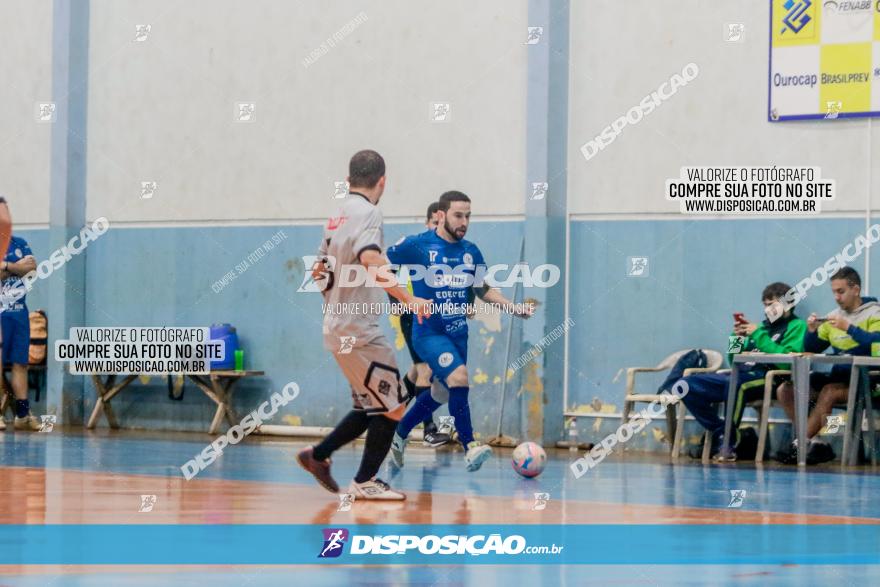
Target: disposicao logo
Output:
[{"x": 334, "y": 540}]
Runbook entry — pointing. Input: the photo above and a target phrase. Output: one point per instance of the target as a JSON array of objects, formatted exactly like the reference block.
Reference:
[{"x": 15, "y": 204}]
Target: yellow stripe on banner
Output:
[
  {"x": 845, "y": 73},
  {"x": 876, "y": 22}
]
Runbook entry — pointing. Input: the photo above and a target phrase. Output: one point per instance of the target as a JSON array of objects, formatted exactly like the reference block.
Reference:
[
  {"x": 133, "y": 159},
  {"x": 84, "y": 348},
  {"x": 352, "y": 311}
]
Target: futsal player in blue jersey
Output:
[
  {"x": 453, "y": 266},
  {"x": 418, "y": 379}
]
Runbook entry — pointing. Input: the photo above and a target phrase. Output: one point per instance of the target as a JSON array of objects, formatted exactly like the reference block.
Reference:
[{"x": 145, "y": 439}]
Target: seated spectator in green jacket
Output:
[{"x": 783, "y": 334}]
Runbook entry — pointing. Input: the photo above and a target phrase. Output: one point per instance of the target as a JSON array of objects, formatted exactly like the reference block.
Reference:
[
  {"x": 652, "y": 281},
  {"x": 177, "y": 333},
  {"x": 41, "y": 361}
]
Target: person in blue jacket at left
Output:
[{"x": 16, "y": 327}]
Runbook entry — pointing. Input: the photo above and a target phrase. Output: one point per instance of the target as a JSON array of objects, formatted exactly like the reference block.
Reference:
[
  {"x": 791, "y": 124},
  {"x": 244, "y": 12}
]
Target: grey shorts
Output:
[{"x": 372, "y": 372}]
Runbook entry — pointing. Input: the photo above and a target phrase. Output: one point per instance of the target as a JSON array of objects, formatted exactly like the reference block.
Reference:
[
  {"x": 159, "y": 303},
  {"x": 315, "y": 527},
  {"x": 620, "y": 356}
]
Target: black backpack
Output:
[{"x": 693, "y": 359}]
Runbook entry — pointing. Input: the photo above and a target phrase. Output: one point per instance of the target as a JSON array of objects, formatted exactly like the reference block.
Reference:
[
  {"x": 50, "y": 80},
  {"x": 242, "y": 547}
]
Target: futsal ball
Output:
[{"x": 529, "y": 459}]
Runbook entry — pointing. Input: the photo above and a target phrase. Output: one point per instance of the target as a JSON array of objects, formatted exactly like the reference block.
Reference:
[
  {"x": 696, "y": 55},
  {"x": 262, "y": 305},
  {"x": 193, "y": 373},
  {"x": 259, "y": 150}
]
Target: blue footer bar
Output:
[{"x": 439, "y": 544}]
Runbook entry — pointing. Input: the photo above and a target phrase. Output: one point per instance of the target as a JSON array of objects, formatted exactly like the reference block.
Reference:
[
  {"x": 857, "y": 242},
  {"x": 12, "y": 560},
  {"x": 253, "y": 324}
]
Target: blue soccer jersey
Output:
[
  {"x": 450, "y": 270},
  {"x": 12, "y": 288}
]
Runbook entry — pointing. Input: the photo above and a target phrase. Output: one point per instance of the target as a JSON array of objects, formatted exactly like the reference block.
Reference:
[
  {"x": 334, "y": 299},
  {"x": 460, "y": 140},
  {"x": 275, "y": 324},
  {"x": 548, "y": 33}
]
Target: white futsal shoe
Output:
[
  {"x": 375, "y": 489},
  {"x": 476, "y": 455},
  {"x": 398, "y": 445},
  {"x": 30, "y": 423}
]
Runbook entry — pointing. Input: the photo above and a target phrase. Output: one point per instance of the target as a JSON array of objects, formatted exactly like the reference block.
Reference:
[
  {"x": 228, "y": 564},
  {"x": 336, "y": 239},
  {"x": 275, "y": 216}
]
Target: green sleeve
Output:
[
  {"x": 792, "y": 342},
  {"x": 730, "y": 355},
  {"x": 748, "y": 345}
]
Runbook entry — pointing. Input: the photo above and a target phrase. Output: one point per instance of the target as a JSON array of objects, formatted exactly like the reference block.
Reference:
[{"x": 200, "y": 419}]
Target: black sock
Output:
[
  {"x": 411, "y": 390},
  {"x": 429, "y": 419},
  {"x": 350, "y": 427},
  {"x": 378, "y": 443},
  {"x": 22, "y": 408}
]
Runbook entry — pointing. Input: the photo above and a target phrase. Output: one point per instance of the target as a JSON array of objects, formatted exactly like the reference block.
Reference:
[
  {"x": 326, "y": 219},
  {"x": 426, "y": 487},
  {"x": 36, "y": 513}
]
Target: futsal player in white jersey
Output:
[{"x": 354, "y": 238}]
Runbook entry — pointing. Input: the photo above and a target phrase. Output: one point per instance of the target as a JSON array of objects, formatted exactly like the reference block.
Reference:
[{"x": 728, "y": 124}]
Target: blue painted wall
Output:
[
  {"x": 699, "y": 273},
  {"x": 164, "y": 277}
]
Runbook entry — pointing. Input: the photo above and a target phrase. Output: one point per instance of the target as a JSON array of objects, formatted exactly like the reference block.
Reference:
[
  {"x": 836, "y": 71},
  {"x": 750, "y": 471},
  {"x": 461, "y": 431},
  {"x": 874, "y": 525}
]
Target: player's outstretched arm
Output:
[
  {"x": 374, "y": 261},
  {"x": 491, "y": 295}
]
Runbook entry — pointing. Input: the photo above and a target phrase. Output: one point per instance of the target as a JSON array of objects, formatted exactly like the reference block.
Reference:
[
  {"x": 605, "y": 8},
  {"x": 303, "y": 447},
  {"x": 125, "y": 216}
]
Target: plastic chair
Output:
[
  {"x": 762, "y": 406},
  {"x": 714, "y": 359}
]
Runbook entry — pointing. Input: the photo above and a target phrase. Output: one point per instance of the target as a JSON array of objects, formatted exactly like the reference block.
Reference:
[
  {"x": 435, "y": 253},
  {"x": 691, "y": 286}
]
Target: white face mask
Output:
[{"x": 774, "y": 311}]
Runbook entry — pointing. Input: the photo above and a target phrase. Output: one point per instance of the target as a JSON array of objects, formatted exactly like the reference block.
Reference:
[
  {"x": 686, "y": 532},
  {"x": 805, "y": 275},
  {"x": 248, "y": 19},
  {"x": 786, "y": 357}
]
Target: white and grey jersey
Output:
[{"x": 351, "y": 316}]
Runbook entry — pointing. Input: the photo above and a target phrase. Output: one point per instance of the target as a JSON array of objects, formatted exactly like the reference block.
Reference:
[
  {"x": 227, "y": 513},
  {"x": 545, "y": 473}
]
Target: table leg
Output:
[
  {"x": 848, "y": 435},
  {"x": 727, "y": 445},
  {"x": 802, "y": 405},
  {"x": 868, "y": 410},
  {"x": 858, "y": 413}
]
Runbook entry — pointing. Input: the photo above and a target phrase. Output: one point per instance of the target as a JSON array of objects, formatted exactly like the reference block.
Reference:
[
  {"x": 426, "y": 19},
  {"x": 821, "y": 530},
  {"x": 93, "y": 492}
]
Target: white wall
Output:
[
  {"x": 26, "y": 74},
  {"x": 623, "y": 50},
  {"x": 163, "y": 110}
]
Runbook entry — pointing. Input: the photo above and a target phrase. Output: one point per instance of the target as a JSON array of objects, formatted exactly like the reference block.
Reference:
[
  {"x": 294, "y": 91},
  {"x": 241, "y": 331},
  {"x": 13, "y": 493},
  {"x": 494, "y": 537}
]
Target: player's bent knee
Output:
[
  {"x": 833, "y": 396},
  {"x": 458, "y": 378},
  {"x": 439, "y": 393},
  {"x": 423, "y": 374}
]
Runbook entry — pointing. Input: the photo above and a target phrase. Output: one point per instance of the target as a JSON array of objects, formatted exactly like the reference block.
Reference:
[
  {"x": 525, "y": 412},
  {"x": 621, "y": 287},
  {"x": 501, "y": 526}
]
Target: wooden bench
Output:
[{"x": 218, "y": 386}]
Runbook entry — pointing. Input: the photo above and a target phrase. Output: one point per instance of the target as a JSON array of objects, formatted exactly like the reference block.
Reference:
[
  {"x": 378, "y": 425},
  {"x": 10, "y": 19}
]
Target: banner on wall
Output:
[{"x": 824, "y": 59}]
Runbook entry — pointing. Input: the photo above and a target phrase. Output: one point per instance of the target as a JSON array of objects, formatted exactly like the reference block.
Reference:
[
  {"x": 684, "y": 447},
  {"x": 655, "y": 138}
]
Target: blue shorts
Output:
[
  {"x": 16, "y": 327},
  {"x": 444, "y": 354}
]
